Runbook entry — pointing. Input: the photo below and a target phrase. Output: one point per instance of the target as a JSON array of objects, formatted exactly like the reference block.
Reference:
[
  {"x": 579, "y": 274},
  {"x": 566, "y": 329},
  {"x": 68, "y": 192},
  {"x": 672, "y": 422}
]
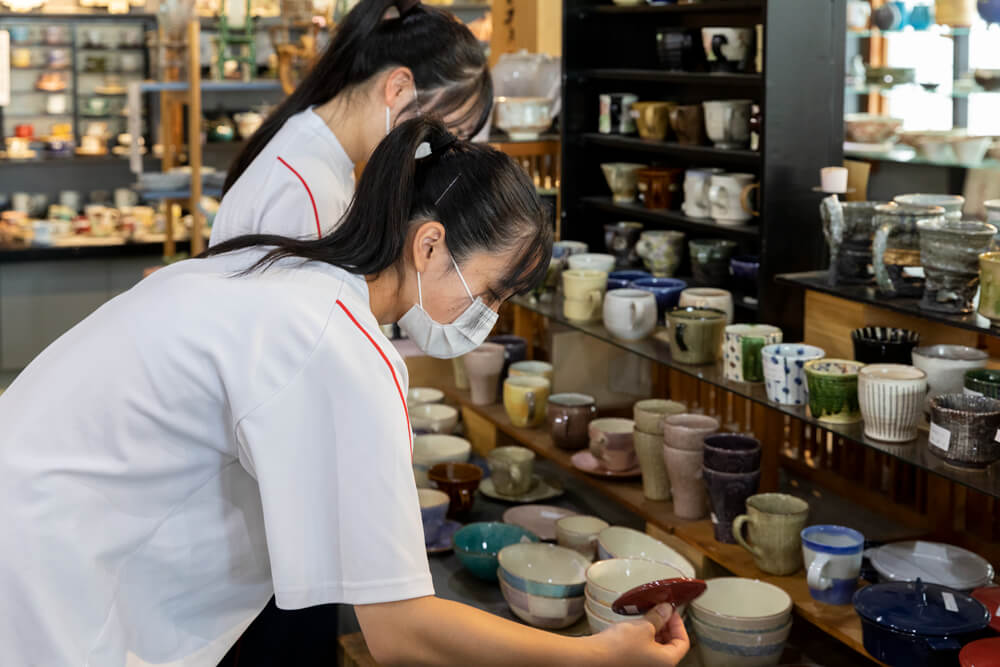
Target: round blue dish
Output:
[{"x": 478, "y": 544}]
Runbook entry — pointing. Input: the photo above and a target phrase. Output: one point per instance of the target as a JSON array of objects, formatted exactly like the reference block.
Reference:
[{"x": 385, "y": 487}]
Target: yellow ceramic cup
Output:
[
  {"x": 584, "y": 291},
  {"x": 525, "y": 398}
]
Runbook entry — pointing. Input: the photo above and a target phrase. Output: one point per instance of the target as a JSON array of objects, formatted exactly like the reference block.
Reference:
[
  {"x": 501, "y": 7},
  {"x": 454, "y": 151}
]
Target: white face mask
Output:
[{"x": 445, "y": 341}]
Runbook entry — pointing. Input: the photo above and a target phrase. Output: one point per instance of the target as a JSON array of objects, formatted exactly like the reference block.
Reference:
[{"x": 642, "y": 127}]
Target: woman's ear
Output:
[
  {"x": 428, "y": 245},
  {"x": 400, "y": 88}
]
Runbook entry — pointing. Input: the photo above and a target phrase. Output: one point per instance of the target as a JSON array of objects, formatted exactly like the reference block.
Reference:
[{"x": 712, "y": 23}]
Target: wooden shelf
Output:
[
  {"x": 671, "y": 218},
  {"x": 706, "y": 154},
  {"x": 699, "y": 7},
  {"x": 664, "y": 76},
  {"x": 840, "y": 622}
]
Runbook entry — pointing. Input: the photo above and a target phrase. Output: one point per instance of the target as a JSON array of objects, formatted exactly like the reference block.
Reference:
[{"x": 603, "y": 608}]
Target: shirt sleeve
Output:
[{"x": 331, "y": 455}]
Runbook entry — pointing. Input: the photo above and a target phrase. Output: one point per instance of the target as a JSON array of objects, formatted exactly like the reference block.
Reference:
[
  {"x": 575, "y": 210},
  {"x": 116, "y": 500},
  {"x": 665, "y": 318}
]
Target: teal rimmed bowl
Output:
[{"x": 478, "y": 545}]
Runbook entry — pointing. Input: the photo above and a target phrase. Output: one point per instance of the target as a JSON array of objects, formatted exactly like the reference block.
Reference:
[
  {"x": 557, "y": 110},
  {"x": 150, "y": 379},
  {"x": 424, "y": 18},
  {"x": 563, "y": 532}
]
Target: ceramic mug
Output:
[
  {"x": 56, "y": 104},
  {"x": 742, "y": 354},
  {"x": 891, "y": 397},
  {"x": 727, "y": 122},
  {"x": 482, "y": 368},
  {"x": 728, "y": 493},
  {"x": 620, "y": 239},
  {"x": 709, "y": 297},
  {"x": 652, "y": 119},
  {"x": 727, "y": 49},
  {"x": 566, "y": 248},
  {"x": 982, "y": 382},
  {"x": 459, "y": 481},
  {"x": 531, "y": 368},
  {"x": 732, "y": 452},
  {"x": 884, "y": 345},
  {"x": 949, "y": 253},
  {"x": 688, "y": 123},
  {"x": 679, "y": 49},
  {"x": 512, "y": 470},
  {"x": 832, "y": 556},
  {"x": 784, "y": 371},
  {"x": 649, "y": 450},
  {"x": 611, "y": 443},
  {"x": 696, "y": 184},
  {"x": 649, "y": 414},
  {"x": 665, "y": 290},
  {"x": 630, "y": 314},
  {"x": 686, "y": 485},
  {"x": 688, "y": 431},
  {"x": 592, "y": 261},
  {"x": 615, "y": 113},
  {"x": 833, "y": 390},
  {"x": 989, "y": 283},
  {"x": 524, "y": 399},
  {"x": 622, "y": 179},
  {"x": 710, "y": 260},
  {"x": 963, "y": 430},
  {"x": 696, "y": 334},
  {"x": 584, "y": 292},
  {"x": 946, "y": 366},
  {"x": 658, "y": 186},
  {"x": 661, "y": 251},
  {"x": 896, "y": 248},
  {"x": 433, "y": 510},
  {"x": 848, "y": 228},
  {"x": 579, "y": 533},
  {"x": 774, "y": 523},
  {"x": 125, "y": 197},
  {"x": 729, "y": 197},
  {"x": 569, "y": 414}
]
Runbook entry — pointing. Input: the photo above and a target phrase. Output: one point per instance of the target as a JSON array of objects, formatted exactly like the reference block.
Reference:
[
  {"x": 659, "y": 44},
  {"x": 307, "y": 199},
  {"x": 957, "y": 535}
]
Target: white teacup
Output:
[
  {"x": 630, "y": 314},
  {"x": 696, "y": 184},
  {"x": 727, "y": 122},
  {"x": 729, "y": 195}
]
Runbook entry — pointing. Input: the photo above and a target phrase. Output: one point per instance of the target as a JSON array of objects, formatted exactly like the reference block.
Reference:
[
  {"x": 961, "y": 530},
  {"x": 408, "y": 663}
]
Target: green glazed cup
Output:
[
  {"x": 696, "y": 334},
  {"x": 833, "y": 390},
  {"x": 982, "y": 382}
]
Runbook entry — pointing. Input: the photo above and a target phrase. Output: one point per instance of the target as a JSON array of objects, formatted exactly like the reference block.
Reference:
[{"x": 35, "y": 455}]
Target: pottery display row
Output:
[
  {"x": 728, "y": 124},
  {"x": 717, "y": 49}
]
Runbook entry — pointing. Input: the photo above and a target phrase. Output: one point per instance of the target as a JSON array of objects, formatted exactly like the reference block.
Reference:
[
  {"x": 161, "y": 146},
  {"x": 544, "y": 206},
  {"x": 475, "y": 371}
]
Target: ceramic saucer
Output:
[
  {"x": 125, "y": 150},
  {"x": 80, "y": 151},
  {"x": 443, "y": 543},
  {"x": 541, "y": 489},
  {"x": 110, "y": 90},
  {"x": 586, "y": 462},
  {"x": 539, "y": 519}
]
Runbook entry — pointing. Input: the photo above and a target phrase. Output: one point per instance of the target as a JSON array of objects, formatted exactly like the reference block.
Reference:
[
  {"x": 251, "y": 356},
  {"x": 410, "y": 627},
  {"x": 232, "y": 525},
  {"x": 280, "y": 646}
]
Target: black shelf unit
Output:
[{"x": 609, "y": 48}]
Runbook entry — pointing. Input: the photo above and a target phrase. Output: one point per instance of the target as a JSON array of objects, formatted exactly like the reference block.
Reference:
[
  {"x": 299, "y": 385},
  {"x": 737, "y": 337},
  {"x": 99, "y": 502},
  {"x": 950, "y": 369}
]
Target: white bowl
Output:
[
  {"x": 429, "y": 450},
  {"x": 420, "y": 395},
  {"x": 433, "y": 417},
  {"x": 741, "y": 605},
  {"x": 621, "y": 542},
  {"x": 608, "y": 579},
  {"x": 431, "y": 498},
  {"x": 544, "y": 569},
  {"x": 606, "y": 613},
  {"x": 971, "y": 150},
  {"x": 592, "y": 261},
  {"x": 523, "y": 118},
  {"x": 542, "y": 612},
  {"x": 722, "y": 648},
  {"x": 597, "y": 624},
  {"x": 579, "y": 533}
]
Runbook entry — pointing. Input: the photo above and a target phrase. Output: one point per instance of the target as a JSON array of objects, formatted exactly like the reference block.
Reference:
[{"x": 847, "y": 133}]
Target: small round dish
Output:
[
  {"x": 541, "y": 489},
  {"x": 443, "y": 544},
  {"x": 931, "y": 562},
  {"x": 586, "y": 462}
]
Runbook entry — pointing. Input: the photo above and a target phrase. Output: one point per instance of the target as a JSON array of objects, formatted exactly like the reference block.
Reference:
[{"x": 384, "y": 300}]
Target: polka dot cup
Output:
[{"x": 784, "y": 373}]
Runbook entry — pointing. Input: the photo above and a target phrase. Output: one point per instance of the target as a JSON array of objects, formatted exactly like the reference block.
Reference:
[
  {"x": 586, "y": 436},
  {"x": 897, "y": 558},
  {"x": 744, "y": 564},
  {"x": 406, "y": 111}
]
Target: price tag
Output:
[
  {"x": 971, "y": 392},
  {"x": 552, "y": 515},
  {"x": 940, "y": 437},
  {"x": 931, "y": 550},
  {"x": 949, "y": 601}
]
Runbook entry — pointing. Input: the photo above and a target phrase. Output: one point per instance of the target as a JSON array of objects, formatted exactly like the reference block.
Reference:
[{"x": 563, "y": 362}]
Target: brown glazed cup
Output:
[
  {"x": 688, "y": 123},
  {"x": 569, "y": 415},
  {"x": 459, "y": 481},
  {"x": 659, "y": 187}
]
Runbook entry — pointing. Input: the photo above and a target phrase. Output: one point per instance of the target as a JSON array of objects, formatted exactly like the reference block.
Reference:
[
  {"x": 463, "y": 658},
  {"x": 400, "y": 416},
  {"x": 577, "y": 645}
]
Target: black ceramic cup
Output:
[
  {"x": 728, "y": 493},
  {"x": 728, "y": 452},
  {"x": 884, "y": 345},
  {"x": 964, "y": 429}
]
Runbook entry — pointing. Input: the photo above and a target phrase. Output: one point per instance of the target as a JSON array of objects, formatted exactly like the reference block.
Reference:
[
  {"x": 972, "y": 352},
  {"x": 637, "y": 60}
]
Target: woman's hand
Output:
[{"x": 660, "y": 640}]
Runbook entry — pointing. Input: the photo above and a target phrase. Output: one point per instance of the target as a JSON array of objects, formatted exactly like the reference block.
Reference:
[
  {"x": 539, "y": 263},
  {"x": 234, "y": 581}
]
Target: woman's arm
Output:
[{"x": 432, "y": 631}]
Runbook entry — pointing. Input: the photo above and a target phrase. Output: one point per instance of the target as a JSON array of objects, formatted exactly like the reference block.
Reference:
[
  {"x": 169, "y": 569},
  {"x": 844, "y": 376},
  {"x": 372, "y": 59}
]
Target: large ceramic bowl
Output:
[
  {"x": 608, "y": 579},
  {"x": 433, "y": 418},
  {"x": 542, "y": 612},
  {"x": 523, "y": 118},
  {"x": 606, "y": 613},
  {"x": 725, "y": 648},
  {"x": 946, "y": 366},
  {"x": 621, "y": 542},
  {"x": 420, "y": 395},
  {"x": 478, "y": 545},
  {"x": 429, "y": 450},
  {"x": 544, "y": 569},
  {"x": 866, "y": 128},
  {"x": 743, "y": 605}
]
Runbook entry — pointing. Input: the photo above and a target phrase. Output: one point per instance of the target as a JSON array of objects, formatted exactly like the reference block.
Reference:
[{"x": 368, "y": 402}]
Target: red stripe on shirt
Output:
[
  {"x": 319, "y": 230},
  {"x": 392, "y": 370}
]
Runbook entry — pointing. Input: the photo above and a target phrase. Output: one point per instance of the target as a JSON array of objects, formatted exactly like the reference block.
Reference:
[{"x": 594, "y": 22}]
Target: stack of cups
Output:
[
  {"x": 648, "y": 440},
  {"x": 732, "y": 474},
  {"x": 683, "y": 453}
]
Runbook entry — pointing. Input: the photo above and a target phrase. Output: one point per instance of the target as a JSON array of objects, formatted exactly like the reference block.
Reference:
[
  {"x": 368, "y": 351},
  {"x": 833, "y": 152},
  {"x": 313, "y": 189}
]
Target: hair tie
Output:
[
  {"x": 404, "y": 7},
  {"x": 435, "y": 146}
]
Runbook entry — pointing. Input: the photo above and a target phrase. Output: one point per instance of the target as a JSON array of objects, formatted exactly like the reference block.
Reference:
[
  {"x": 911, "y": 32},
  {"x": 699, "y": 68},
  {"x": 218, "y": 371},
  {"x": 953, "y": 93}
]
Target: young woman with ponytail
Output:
[
  {"x": 235, "y": 426},
  {"x": 389, "y": 60}
]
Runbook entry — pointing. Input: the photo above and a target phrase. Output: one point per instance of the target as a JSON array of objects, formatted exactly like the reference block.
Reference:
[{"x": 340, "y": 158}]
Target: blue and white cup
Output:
[
  {"x": 433, "y": 510},
  {"x": 563, "y": 249},
  {"x": 784, "y": 371},
  {"x": 832, "y": 556}
]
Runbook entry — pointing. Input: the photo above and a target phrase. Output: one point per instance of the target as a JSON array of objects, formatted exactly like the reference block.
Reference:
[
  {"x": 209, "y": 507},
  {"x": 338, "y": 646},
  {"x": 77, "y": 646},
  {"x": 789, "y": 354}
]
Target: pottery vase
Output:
[
  {"x": 949, "y": 253},
  {"x": 848, "y": 228},
  {"x": 896, "y": 248}
]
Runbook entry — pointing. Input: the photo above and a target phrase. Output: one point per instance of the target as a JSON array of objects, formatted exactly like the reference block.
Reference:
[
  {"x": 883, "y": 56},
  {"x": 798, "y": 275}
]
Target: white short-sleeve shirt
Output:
[
  {"x": 299, "y": 186},
  {"x": 200, "y": 442}
]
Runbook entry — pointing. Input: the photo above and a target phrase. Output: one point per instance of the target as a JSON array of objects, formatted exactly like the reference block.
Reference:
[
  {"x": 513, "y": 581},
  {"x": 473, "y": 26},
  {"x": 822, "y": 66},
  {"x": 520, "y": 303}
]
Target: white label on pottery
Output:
[
  {"x": 552, "y": 515},
  {"x": 940, "y": 437},
  {"x": 931, "y": 550},
  {"x": 949, "y": 601},
  {"x": 774, "y": 372},
  {"x": 971, "y": 392},
  {"x": 997, "y": 436},
  {"x": 715, "y": 519}
]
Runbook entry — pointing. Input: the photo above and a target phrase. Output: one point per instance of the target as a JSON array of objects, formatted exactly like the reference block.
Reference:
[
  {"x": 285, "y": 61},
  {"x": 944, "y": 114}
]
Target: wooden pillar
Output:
[
  {"x": 194, "y": 137},
  {"x": 534, "y": 25}
]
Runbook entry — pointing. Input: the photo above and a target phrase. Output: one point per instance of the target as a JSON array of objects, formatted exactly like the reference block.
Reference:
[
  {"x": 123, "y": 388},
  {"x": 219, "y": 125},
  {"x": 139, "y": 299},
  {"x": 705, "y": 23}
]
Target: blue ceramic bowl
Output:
[
  {"x": 617, "y": 283},
  {"x": 478, "y": 544},
  {"x": 989, "y": 10},
  {"x": 666, "y": 290},
  {"x": 745, "y": 267},
  {"x": 630, "y": 275}
]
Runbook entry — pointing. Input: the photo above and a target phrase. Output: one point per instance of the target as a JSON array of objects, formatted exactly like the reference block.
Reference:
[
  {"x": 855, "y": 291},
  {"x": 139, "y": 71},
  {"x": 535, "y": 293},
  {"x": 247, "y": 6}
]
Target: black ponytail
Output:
[
  {"x": 448, "y": 64},
  {"x": 485, "y": 200}
]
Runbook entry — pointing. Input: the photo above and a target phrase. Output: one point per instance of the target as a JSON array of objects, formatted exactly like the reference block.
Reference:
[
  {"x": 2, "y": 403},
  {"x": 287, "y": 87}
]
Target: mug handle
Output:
[
  {"x": 679, "y": 336},
  {"x": 815, "y": 577},
  {"x": 594, "y": 297},
  {"x": 718, "y": 41},
  {"x": 879, "y": 243},
  {"x": 745, "y": 199},
  {"x": 738, "y": 524},
  {"x": 633, "y": 314},
  {"x": 598, "y": 444},
  {"x": 717, "y": 196},
  {"x": 529, "y": 397}
]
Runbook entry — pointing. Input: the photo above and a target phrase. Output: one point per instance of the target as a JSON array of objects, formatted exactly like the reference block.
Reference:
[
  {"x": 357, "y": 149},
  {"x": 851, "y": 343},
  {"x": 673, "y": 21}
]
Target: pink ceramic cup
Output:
[
  {"x": 688, "y": 431},
  {"x": 611, "y": 443}
]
